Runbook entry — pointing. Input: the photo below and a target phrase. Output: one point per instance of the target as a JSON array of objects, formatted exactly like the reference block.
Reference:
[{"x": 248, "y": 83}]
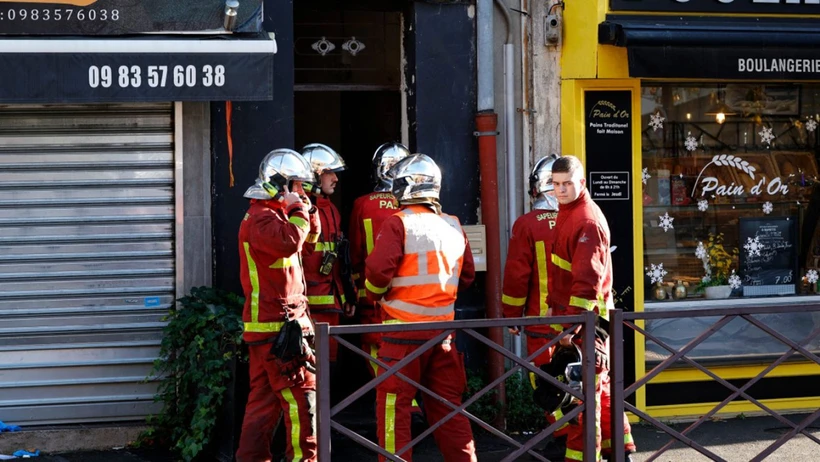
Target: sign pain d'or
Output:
[{"x": 61, "y": 2}]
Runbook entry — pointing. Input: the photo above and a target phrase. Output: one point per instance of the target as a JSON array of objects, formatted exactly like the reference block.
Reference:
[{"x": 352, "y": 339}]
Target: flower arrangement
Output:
[{"x": 717, "y": 262}]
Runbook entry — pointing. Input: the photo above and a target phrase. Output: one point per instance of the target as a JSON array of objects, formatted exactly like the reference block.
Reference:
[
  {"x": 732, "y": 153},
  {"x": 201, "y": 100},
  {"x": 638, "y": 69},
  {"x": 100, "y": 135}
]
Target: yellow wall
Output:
[{"x": 586, "y": 65}]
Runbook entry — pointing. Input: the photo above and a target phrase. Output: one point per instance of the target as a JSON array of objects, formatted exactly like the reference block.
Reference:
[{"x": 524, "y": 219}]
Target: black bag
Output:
[{"x": 288, "y": 344}]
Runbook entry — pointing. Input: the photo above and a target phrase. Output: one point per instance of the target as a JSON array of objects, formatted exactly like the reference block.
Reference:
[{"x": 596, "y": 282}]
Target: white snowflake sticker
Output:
[
  {"x": 766, "y": 135},
  {"x": 812, "y": 276},
  {"x": 691, "y": 143},
  {"x": 767, "y": 207},
  {"x": 706, "y": 279},
  {"x": 734, "y": 281},
  {"x": 646, "y": 175},
  {"x": 666, "y": 222},
  {"x": 753, "y": 246},
  {"x": 656, "y": 121},
  {"x": 656, "y": 273},
  {"x": 811, "y": 125},
  {"x": 700, "y": 252},
  {"x": 703, "y": 205}
]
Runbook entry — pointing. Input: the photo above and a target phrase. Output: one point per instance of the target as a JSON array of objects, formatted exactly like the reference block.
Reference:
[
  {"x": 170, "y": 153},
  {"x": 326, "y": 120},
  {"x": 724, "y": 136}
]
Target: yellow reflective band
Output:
[
  {"x": 390, "y": 423},
  {"x": 572, "y": 454},
  {"x": 602, "y": 311},
  {"x": 356, "y": 276},
  {"x": 393, "y": 321},
  {"x": 282, "y": 263},
  {"x": 344, "y": 300},
  {"x": 300, "y": 222},
  {"x": 374, "y": 289},
  {"x": 295, "y": 427},
  {"x": 606, "y": 444},
  {"x": 583, "y": 303},
  {"x": 264, "y": 327},
  {"x": 254, "y": 275},
  {"x": 312, "y": 238},
  {"x": 414, "y": 403},
  {"x": 374, "y": 352},
  {"x": 362, "y": 293},
  {"x": 543, "y": 290},
  {"x": 325, "y": 246},
  {"x": 513, "y": 301},
  {"x": 558, "y": 415},
  {"x": 628, "y": 438},
  {"x": 368, "y": 235},
  {"x": 561, "y": 263},
  {"x": 321, "y": 300},
  {"x": 557, "y": 327}
]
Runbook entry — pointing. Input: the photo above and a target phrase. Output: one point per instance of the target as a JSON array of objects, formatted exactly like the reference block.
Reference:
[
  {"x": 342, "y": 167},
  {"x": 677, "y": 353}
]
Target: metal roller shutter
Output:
[{"x": 87, "y": 264}]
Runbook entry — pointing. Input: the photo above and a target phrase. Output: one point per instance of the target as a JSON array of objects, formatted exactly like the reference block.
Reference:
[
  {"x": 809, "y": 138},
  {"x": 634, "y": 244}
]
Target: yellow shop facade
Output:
[{"x": 698, "y": 124}]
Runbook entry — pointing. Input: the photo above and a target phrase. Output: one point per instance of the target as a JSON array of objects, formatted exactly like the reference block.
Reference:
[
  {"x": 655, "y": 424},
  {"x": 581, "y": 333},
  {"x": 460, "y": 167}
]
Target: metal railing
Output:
[
  {"x": 620, "y": 321},
  {"x": 327, "y": 414}
]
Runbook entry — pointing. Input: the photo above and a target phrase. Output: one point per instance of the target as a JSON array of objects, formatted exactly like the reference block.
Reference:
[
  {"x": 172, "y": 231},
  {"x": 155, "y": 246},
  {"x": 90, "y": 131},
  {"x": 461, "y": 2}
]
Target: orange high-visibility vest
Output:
[{"x": 426, "y": 281}]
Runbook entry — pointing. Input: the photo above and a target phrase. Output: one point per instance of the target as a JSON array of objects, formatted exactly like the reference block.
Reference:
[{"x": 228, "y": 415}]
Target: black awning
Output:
[
  {"x": 716, "y": 48},
  {"x": 630, "y": 30},
  {"x": 148, "y": 68}
]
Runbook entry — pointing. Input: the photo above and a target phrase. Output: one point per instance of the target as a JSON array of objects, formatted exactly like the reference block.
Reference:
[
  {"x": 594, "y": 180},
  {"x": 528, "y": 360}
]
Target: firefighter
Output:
[
  {"x": 525, "y": 276},
  {"x": 276, "y": 226},
  {"x": 580, "y": 279},
  {"x": 420, "y": 260},
  {"x": 323, "y": 265},
  {"x": 369, "y": 212}
]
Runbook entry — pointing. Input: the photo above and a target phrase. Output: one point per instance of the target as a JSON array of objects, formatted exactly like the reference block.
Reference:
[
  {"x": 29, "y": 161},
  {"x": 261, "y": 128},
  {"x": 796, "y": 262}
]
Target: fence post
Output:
[
  {"x": 323, "y": 389},
  {"x": 616, "y": 384},
  {"x": 590, "y": 397}
]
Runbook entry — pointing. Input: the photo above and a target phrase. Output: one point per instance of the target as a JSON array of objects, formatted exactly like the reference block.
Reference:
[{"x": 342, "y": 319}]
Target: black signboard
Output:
[
  {"x": 768, "y": 255},
  {"x": 117, "y": 17},
  {"x": 189, "y": 70},
  {"x": 722, "y": 6},
  {"x": 608, "y": 141},
  {"x": 724, "y": 63}
]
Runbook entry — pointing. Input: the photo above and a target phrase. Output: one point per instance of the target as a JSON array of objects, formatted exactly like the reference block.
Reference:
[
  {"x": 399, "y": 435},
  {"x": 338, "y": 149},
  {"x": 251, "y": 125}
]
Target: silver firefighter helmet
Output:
[
  {"x": 385, "y": 157},
  {"x": 415, "y": 177},
  {"x": 541, "y": 183},
  {"x": 277, "y": 170},
  {"x": 322, "y": 159}
]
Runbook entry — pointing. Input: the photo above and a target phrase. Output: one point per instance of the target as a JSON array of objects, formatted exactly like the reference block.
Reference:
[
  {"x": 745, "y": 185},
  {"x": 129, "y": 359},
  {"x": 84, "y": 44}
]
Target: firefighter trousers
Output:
[
  {"x": 441, "y": 369},
  {"x": 273, "y": 395},
  {"x": 575, "y": 430},
  {"x": 606, "y": 428}
]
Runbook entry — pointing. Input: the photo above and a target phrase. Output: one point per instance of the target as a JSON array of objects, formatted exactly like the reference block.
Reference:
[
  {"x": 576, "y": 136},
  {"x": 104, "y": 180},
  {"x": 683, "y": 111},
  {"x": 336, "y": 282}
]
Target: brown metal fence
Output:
[
  {"x": 326, "y": 416},
  {"x": 620, "y": 321}
]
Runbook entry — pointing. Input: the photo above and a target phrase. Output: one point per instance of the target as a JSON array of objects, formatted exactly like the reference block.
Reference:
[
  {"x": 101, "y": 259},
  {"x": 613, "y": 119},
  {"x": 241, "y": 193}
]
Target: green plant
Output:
[
  {"x": 717, "y": 262},
  {"x": 522, "y": 413},
  {"x": 199, "y": 342}
]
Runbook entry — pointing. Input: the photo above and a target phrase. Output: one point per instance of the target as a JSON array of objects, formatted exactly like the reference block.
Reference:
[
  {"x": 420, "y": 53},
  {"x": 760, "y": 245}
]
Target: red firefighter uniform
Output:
[
  {"x": 270, "y": 238},
  {"x": 369, "y": 212},
  {"x": 525, "y": 277},
  {"x": 419, "y": 262},
  {"x": 581, "y": 279},
  {"x": 325, "y": 293}
]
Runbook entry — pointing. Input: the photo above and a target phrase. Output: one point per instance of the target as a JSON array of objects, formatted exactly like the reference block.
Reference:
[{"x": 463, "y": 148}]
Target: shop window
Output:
[{"x": 730, "y": 200}]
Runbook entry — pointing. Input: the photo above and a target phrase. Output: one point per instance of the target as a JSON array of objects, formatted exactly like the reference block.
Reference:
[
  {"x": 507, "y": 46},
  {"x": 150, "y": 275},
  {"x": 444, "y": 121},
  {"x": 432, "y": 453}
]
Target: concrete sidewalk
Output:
[{"x": 734, "y": 440}]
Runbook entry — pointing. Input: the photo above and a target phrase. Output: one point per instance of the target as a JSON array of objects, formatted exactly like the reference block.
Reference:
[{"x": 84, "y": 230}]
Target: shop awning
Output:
[
  {"x": 716, "y": 48},
  {"x": 152, "y": 68}
]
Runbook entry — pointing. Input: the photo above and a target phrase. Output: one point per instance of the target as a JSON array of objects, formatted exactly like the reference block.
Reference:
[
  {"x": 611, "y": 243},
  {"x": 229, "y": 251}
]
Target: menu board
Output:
[{"x": 768, "y": 255}]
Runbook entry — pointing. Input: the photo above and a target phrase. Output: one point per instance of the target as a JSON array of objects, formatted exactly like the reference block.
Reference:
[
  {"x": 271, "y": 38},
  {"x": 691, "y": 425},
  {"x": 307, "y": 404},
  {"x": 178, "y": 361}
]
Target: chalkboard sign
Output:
[{"x": 768, "y": 255}]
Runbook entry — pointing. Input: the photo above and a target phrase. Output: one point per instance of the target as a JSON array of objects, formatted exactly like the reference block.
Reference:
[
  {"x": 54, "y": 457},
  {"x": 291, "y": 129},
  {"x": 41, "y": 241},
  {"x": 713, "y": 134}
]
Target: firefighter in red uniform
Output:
[
  {"x": 369, "y": 212},
  {"x": 323, "y": 267},
  {"x": 420, "y": 260},
  {"x": 581, "y": 278},
  {"x": 271, "y": 235}
]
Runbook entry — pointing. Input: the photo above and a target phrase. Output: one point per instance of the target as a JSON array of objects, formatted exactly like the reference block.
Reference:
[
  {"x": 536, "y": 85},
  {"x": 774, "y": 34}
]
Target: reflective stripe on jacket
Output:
[
  {"x": 366, "y": 219},
  {"x": 324, "y": 292}
]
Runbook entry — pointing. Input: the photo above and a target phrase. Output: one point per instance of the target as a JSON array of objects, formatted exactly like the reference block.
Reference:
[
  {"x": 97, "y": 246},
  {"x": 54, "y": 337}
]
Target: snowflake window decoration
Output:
[
  {"x": 706, "y": 279},
  {"x": 753, "y": 246},
  {"x": 691, "y": 143},
  {"x": 811, "y": 125},
  {"x": 766, "y": 135},
  {"x": 812, "y": 276},
  {"x": 703, "y": 205},
  {"x": 700, "y": 252},
  {"x": 666, "y": 222},
  {"x": 645, "y": 174},
  {"x": 767, "y": 208},
  {"x": 734, "y": 281},
  {"x": 656, "y": 272},
  {"x": 656, "y": 121}
]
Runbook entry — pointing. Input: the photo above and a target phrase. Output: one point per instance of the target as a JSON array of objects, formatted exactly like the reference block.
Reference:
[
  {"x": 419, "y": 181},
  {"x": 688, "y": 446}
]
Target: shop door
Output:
[
  {"x": 347, "y": 58},
  {"x": 87, "y": 263}
]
